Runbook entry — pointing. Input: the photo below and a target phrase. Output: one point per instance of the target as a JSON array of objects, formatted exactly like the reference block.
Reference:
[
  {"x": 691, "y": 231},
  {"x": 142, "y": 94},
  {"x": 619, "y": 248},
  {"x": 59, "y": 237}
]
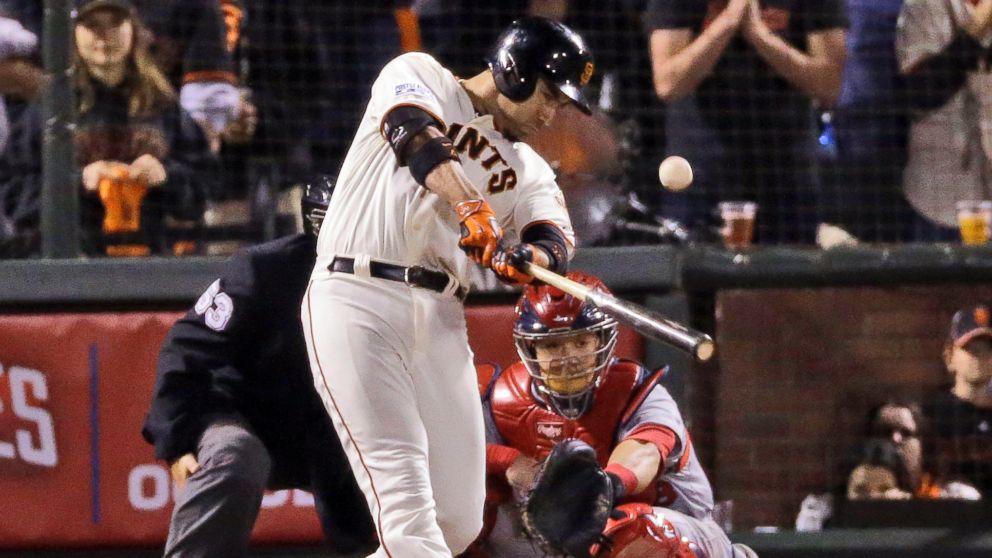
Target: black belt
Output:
[{"x": 414, "y": 276}]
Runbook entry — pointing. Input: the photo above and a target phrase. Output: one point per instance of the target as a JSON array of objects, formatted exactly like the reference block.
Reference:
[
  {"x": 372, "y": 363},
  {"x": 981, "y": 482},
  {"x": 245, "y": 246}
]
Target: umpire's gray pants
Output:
[{"x": 215, "y": 512}]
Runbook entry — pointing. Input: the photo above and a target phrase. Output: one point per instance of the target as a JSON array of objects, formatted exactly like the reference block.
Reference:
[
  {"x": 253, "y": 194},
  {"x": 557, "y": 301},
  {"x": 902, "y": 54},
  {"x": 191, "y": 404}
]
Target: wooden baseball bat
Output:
[{"x": 645, "y": 321}]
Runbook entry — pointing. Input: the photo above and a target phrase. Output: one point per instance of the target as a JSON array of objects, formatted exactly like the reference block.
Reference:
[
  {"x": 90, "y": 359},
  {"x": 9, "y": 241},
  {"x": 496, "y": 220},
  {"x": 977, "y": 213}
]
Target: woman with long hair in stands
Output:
[
  {"x": 137, "y": 150},
  {"x": 145, "y": 165}
]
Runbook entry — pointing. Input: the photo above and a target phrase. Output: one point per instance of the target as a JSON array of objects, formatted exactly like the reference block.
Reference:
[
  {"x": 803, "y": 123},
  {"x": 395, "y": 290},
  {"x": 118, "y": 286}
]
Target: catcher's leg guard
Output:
[{"x": 641, "y": 533}]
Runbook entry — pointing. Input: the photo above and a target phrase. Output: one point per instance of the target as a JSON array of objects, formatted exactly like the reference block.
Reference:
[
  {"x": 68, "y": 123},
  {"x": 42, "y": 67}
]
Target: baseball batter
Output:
[
  {"x": 435, "y": 166},
  {"x": 568, "y": 385}
]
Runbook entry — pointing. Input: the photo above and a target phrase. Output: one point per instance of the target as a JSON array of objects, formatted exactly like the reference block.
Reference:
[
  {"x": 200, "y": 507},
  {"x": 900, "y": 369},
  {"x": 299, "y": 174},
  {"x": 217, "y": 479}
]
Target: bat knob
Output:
[{"x": 704, "y": 350}]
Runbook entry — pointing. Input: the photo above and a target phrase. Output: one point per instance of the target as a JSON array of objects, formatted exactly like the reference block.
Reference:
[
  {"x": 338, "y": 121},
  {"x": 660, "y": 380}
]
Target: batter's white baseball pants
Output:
[{"x": 394, "y": 369}]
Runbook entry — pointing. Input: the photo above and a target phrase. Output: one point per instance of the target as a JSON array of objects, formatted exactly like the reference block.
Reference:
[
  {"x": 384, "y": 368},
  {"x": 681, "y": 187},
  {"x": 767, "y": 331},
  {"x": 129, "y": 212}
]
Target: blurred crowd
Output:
[{"x": 197, "y": 122}]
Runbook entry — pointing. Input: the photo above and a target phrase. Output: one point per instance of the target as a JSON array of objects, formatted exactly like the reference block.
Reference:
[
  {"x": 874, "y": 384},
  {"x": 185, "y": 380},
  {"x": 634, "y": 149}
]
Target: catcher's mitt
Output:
[{"x": 567, "y": 509}]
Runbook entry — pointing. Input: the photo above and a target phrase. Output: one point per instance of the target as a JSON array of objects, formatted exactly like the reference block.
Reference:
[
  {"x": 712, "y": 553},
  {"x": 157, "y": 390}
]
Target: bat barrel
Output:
[
  {"x": 656, "y": 326},
  {"x": 649, "y": 323}
]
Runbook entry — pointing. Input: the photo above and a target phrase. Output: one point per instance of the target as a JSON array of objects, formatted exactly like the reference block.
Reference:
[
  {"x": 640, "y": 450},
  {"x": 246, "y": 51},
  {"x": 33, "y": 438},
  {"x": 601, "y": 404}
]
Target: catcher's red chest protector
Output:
[{"x": 527, "y": 426}]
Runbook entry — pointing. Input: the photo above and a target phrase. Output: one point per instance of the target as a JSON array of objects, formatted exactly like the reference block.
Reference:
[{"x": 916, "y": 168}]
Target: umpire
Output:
[{"x": 234, "y": 409}]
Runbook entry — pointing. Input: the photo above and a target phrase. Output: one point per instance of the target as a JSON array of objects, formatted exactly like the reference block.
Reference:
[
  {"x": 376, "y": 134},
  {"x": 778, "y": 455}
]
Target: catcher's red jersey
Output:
[
  {"x": 629, "y": 397},
  {"x": 672, "y": 511},
  {"x": 526, "y": 425}
]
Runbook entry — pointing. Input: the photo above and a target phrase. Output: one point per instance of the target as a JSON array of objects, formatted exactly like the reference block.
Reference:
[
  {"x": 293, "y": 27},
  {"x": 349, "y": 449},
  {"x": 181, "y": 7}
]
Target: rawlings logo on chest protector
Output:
[{"x": 553, "y": 431}]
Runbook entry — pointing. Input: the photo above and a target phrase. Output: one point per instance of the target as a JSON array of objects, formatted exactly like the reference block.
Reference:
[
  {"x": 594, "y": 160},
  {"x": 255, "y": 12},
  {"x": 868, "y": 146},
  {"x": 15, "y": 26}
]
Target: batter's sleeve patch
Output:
[{"x": 413, "y": 90}]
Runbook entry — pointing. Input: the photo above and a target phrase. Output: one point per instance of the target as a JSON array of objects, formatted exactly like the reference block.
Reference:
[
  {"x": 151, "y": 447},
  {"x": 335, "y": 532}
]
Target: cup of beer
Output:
[
  {"x": 122, "y": 196},
  {"x": 738, "y": 223},
  {"x": 974, "y": 221}
]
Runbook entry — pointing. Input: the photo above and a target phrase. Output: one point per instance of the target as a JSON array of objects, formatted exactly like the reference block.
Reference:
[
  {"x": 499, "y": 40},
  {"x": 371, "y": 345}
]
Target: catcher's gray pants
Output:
[
  {"x": 215, "y": 512},
  {"x": 711, "y": 540}
]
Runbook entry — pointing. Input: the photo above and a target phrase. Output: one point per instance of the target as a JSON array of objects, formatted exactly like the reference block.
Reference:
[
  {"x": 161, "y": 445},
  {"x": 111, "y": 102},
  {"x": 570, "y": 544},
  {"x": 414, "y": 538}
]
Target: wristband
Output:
[
  {"x": 625, "y": 481},
  {"x": 431, "y": 154}
]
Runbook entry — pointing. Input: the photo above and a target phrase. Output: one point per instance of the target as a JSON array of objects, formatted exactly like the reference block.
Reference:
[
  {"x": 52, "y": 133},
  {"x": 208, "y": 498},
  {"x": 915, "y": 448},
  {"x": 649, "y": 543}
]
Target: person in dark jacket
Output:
[
  {"x": 961, "y": 413},
  {"x": 143, "y": 161},
  {"x": 234, "y": 409}
]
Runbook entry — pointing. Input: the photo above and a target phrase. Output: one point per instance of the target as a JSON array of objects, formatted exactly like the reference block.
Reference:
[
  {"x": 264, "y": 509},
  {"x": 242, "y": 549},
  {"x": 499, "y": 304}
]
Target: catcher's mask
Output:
[
  {"x": 565, "y": 343},
  {"x": 316, "y": 197}
]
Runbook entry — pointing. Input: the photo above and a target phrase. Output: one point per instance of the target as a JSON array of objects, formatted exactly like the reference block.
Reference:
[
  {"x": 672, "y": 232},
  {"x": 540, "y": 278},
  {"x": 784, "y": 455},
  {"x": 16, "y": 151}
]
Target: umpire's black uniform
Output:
[{"x": 234, "y": 388}]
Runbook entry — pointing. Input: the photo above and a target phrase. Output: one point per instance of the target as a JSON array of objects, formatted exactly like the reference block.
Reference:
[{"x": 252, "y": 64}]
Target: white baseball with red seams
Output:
[{"x": 392, "y": 363}]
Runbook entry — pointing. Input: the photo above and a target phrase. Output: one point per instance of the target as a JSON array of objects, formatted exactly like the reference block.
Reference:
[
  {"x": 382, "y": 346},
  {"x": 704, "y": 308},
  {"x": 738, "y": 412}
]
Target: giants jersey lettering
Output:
[
  {"x": 627, "y": 398},
  {"x": 379, "y": 210}
]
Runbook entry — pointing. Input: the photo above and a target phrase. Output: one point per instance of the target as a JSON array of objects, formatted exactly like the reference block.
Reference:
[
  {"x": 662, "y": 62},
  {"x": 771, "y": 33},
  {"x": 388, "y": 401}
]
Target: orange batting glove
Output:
[
  {"x": 508, "y": 264},
  {"x": 481, "y": 232}
]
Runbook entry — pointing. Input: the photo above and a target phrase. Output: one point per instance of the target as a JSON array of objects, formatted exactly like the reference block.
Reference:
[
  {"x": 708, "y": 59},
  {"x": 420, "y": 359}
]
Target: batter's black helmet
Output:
[
  {"x": 316, "y": 196},
  {"x": 535, "y": 47}
]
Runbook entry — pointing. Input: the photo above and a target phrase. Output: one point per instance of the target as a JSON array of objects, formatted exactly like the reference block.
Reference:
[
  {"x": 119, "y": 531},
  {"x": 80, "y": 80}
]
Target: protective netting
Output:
[
  {"x": 846, "y": 407},
  {"x": 868, "y": 116}
]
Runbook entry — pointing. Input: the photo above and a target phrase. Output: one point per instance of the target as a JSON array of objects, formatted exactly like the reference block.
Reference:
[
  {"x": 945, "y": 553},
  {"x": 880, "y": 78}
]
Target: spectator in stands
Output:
[
  {"x": 889, "y": 464},
  {"x": 130, "y": 125},
  {"x": 740, "y": 78},
  {"x": 191, "y": 43},
  {"x": 129, "y": 130},
  {"x": 880, "y": 473},
  {"x": 968, "y": 357},
  {"x": 309, "y": 67},
  {"x": 305, "y": 70},
  {"x": 900, "y": 424},
  {"x": 187, "y": 39},
  {"x": 19, "y": 75},
  {"x": 962, "y": 414},
  {"x": 863, "y": 182},
  {"x": 943, "y": 51},
  {"x": 618, "y": 149},
  {"x": 21, "y": 80},
  {"x": 626, "y": 94}
]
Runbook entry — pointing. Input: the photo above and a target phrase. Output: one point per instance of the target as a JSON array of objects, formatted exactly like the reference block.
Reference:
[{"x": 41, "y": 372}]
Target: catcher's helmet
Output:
[
  {"x": 316, "y": 196},
  {"x": 544, "y": 313},
  {"x": 535, "y": 47}
]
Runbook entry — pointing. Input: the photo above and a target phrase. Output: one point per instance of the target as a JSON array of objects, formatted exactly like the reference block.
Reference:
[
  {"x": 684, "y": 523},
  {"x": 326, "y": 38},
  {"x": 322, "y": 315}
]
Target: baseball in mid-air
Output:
[{"x": 675, "y": 173}]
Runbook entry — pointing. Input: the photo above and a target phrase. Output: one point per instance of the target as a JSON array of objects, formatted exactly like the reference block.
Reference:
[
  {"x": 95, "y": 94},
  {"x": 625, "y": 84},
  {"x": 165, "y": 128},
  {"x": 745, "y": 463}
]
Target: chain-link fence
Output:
[
  {"x": 160, "y": 127},
  {"x": 845, "y": 407},
  {"x": 868, "y": 116}
]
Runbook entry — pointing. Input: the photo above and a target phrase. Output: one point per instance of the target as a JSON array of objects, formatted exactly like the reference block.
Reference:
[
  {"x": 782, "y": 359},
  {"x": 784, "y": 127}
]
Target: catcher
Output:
[{"x": 619, "y": 476}]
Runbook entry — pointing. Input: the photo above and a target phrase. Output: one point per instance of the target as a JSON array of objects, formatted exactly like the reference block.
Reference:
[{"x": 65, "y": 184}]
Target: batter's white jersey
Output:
[
  {"x": 379, "y": 210},
  {"x": 392, "y": 362}
]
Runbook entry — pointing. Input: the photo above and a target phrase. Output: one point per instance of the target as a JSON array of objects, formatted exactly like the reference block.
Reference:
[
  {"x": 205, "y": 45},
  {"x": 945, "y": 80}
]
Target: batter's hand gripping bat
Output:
[{"x": 645, "y": 321}]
